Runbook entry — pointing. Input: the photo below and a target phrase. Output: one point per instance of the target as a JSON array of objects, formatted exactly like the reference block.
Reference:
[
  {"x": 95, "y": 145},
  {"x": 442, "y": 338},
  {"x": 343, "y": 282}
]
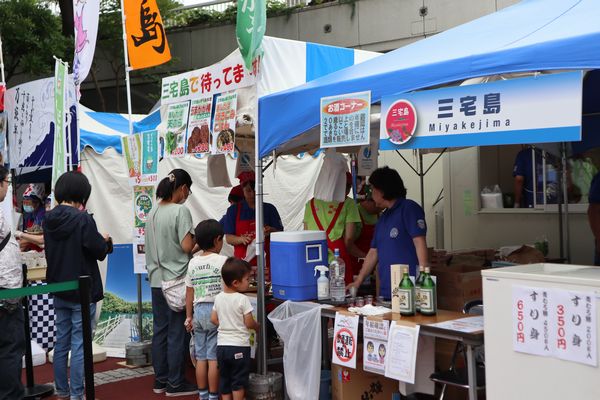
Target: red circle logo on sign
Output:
[
  {"x": 344, "y": 345},
  {"x": 401, "y": 121}
]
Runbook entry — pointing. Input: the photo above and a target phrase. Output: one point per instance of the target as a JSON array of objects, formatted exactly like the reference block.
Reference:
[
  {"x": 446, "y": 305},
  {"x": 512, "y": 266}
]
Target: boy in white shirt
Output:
[
  {"x": 232, "y": 313},
  {"x": 203, "y": 281}
]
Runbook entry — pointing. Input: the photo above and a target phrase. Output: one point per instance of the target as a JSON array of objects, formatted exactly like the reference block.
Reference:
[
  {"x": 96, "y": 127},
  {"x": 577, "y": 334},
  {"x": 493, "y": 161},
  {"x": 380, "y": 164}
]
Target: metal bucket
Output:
[{"x": 265, "y": 387}]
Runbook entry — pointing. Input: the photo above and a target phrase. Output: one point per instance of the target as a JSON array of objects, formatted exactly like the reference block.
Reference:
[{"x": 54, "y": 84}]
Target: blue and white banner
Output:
[{"x": 540, "y": 109}]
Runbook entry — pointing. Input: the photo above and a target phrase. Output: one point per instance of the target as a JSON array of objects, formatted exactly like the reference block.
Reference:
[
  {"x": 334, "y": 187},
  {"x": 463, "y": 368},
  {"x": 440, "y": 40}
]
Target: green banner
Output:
[
  {"x": 250, "y": 28},
  {"x": 59, "y": 160}
]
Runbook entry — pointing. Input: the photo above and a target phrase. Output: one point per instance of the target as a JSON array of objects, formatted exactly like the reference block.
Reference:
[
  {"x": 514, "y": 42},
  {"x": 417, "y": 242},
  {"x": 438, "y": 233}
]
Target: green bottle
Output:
[
  {"x": 428, "y": 294},
  {"x": 418, "y": 283},
  {"x": 406, "y": 293}
]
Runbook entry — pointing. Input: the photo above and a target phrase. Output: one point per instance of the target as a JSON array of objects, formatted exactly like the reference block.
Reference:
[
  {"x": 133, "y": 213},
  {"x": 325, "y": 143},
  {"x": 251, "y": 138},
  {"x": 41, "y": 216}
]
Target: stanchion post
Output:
[
  {"x": 28, "y": 355},
  {"x": 88, "y": 362}
]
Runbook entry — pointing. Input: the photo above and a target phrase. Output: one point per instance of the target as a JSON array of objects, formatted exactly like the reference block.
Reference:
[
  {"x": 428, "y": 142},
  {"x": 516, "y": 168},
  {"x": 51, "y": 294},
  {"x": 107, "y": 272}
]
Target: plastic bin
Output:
[{"x": 294, "y": 256}]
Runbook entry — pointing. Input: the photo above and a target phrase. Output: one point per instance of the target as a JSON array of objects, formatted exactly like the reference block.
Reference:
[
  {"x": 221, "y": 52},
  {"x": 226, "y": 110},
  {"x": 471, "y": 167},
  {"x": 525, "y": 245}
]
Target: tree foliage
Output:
[
  {"x": 114, "y": 304},
  {"x": 31, "y": 36}
]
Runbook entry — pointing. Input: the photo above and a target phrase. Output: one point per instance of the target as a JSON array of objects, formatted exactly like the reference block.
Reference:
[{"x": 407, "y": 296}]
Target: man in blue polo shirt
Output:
[
  {"x": 400, "y": 233},
  {"x": 594, "y": 215}
]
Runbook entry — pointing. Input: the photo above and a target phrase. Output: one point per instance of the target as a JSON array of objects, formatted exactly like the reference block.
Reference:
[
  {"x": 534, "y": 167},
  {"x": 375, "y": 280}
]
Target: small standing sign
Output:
[{"x": 345, "y": 340}]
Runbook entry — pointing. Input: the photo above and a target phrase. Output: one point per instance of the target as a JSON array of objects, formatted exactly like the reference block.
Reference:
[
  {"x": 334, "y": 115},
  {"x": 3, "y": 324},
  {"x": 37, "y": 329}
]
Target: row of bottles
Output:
[
  {"x": 420, "y": 297},
  {"x": 333, "y": 288}
]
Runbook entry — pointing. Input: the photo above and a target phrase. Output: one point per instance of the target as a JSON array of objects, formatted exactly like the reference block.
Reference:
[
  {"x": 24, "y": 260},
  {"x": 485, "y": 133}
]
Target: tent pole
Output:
[
  {"x": 261, "y": 355},
  {"x": 127, "y": 67},
  {"x": 422, "y": 179},
  {"x": 565, "y": 199}
]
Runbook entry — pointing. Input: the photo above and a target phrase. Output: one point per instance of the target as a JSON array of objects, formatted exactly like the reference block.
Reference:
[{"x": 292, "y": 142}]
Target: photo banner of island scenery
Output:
[
  {"x": 513, "y": 111},
  {"x": 201, "y": 107},
  {"x": 119, "y": 320}
]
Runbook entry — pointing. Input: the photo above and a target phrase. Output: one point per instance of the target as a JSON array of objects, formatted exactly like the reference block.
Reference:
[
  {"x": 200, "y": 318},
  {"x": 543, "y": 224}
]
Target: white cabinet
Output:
[{"x": 519, "y": 376}]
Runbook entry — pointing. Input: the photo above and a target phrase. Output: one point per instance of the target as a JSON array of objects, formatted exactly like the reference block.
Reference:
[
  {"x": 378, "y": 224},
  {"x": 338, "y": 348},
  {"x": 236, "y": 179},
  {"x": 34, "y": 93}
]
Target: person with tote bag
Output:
[{"x": 169, "y": 243}]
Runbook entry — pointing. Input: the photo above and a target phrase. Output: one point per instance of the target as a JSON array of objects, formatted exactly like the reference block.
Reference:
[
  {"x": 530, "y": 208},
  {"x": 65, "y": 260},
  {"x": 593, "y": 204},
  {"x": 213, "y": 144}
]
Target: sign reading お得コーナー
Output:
[
  {"x": 524, "y": 110},
  {"x": 224, "y": 76},
  {"x": 345, "y": 120}
]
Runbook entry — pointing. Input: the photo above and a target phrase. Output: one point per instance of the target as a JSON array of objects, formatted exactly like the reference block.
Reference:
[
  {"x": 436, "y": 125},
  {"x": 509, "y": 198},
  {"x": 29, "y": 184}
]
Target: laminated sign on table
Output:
[{"x": 345, "y": 339}]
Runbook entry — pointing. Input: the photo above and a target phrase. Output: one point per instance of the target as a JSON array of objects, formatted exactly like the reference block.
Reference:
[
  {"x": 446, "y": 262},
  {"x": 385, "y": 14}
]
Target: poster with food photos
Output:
[
  {"x": 199, "y": 135},
  {"x": 224, "y": 123},
  {"x": 177, "y": 122}
]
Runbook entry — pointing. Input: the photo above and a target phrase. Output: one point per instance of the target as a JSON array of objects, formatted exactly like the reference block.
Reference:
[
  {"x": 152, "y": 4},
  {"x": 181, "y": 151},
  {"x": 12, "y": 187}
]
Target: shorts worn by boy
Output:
[
  {"x": 233, "y": 341},
  {"x": 204, "y": 276}
]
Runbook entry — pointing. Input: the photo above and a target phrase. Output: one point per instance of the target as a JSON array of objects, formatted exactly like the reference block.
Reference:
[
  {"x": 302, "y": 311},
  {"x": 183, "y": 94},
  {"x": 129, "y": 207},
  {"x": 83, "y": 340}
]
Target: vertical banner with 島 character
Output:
[
  {"x": 149, "y": 157},
  {"x": 133, "y": 157},
  {"x": 146, "y": 38},
  {"x": 345, "y": 120},
  {"x": 143, "y": 201},
  {"x": 177, "y": 122},
  {"x": 224, "y": 123},
  {"x": 198, "y": 132}
]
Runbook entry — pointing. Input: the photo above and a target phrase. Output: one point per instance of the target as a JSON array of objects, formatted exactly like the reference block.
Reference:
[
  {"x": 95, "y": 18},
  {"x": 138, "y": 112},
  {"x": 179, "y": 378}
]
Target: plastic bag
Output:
[
  {"x": 491, "y": 198},
  {"x": 299, "y": 326}
]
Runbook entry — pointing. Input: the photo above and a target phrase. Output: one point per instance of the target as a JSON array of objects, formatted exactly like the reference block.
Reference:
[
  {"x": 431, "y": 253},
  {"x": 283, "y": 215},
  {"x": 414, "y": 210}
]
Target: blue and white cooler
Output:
[{"x": 294, "y": 256}]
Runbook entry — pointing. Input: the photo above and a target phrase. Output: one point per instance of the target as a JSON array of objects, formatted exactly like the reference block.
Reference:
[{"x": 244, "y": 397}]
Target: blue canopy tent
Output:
[{"x": 533, "y": 35}]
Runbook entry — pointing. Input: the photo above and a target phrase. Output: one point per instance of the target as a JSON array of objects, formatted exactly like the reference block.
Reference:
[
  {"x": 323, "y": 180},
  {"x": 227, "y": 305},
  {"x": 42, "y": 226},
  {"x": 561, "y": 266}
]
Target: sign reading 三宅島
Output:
[{"x": 541, "y": 109}]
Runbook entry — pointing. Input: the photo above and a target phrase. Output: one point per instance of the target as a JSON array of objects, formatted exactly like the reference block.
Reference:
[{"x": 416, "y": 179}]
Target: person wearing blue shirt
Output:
[
  {"x": 400, "y": 233},
  {"x": 525, "y": 178},
  {"x": 594, "y": 215},
  {"x": 239, "y": 221}
]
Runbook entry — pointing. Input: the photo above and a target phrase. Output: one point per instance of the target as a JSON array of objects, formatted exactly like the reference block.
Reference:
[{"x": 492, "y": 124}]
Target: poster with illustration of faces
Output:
[{"x": 375, "y": 333}]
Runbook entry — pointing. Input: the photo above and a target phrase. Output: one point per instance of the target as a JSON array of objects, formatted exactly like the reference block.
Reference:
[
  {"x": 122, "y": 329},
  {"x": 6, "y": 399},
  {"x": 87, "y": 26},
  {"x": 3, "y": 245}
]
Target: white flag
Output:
[{"x": 85, "y": 14}]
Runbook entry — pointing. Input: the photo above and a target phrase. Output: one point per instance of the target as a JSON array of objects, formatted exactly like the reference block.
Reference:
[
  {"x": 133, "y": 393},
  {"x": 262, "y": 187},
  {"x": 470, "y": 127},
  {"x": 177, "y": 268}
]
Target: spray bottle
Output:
[{"x": 322, "y": 283}]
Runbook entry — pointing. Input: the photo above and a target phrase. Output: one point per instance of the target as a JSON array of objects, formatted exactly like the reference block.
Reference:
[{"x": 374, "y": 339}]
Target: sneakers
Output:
[
  {"x": 159, "y": 387},
  {"x": 185, "y": 389}
]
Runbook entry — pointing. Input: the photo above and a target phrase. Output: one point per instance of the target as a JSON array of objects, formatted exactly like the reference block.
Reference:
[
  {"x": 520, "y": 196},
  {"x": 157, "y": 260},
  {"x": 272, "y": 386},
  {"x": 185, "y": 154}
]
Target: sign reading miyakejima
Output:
[{"x": 541, "y": 109}]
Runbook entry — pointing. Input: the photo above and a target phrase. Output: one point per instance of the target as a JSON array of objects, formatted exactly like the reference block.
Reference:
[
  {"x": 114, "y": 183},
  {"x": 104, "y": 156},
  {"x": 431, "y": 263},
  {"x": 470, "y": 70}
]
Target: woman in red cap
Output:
[{"x": 239, "y": 221}]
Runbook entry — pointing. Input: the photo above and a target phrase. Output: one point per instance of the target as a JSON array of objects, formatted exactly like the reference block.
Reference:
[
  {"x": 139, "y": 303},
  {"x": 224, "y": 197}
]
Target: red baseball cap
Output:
[
  {"x": 245, "y": 177},
  {"x": 237, "y": 191}
]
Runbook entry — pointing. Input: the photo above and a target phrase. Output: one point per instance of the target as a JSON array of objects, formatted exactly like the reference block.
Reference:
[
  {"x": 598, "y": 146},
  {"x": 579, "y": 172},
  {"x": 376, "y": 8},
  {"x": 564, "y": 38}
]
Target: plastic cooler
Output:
[{"x": 294, "y": 256}]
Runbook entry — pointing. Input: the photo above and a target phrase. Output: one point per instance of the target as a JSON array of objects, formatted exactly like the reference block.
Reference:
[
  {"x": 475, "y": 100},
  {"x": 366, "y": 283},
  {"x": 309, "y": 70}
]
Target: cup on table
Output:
[
  {"x": 352, "y": 291},
  {"x": 369, "y": 300},
  {"x": 380, "y": 300},
  {"x": 360, "y": 301}
]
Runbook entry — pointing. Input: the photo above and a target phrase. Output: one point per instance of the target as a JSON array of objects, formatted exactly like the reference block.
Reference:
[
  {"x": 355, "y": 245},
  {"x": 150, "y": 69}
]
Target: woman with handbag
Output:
[{"x": 169, "y": 243}]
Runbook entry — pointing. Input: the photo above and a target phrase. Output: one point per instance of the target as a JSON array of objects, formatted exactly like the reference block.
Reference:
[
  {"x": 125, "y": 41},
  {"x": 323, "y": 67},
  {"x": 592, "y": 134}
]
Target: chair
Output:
[{"x": 458, "y": 376}]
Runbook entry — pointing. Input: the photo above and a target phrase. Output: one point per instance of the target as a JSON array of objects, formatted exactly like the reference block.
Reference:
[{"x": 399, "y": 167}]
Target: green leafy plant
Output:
[{"x": 31, "y": 36}]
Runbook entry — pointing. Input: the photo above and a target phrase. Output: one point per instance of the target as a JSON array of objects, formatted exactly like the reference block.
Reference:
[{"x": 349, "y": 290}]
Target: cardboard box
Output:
[
  {"x": 356, "y": 384},
  {"x": 457, "y": 285}
]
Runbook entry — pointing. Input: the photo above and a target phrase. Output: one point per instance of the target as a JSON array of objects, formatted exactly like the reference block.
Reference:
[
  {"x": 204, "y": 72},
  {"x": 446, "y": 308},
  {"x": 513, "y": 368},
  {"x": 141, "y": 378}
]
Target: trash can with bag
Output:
[{"x": 298, "y": 324}]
